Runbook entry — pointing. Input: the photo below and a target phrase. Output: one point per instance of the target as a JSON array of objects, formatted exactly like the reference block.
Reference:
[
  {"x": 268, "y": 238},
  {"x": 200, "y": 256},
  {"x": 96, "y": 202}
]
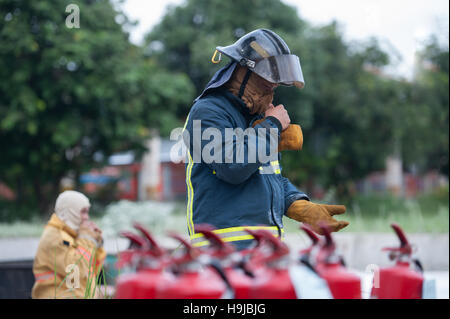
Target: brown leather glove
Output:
[
  {"x": 313, "y": 214},
  {"x": 290, "y": 139}
]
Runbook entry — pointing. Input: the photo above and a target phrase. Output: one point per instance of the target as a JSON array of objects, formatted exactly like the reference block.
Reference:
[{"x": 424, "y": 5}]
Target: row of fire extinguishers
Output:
[{"x": 265, "y": 271}]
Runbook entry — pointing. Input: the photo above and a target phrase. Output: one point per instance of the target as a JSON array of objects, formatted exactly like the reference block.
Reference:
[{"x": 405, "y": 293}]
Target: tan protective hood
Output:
[{"x": 68, "y": 208}]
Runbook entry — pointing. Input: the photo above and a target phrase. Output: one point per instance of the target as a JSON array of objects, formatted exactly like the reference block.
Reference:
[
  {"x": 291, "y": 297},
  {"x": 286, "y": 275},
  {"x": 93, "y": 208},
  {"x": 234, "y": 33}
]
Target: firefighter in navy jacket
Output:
[{"x": 232, "y": 184}]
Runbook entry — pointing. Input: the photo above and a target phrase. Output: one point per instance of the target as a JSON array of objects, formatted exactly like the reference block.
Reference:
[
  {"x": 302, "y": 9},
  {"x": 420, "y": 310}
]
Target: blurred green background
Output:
[{"x": 72, "y": 97}]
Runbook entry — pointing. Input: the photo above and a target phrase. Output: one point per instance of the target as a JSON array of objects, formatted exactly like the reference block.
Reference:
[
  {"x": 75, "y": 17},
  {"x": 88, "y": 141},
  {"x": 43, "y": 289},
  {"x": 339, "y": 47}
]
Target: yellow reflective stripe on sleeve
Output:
[{"x": 274, "y": 168}]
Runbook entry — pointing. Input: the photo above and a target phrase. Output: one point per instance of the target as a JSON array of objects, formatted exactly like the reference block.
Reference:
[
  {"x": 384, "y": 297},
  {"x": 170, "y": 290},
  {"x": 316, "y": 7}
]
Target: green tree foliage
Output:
[
  {"x": 429, "y": 111},
  {"x": 343, "y": 111},
  {"x": 351, "y": 114},
  {"x": 68, "y": 95}
]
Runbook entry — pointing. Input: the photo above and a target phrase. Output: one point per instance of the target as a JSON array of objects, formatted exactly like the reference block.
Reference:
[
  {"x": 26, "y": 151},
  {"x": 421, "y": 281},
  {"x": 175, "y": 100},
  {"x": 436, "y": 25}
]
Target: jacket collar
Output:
[
  {"x": 56, "y": 222},
  {"x": 219, "y": 78},
  {"x": 216, "y": 85}
]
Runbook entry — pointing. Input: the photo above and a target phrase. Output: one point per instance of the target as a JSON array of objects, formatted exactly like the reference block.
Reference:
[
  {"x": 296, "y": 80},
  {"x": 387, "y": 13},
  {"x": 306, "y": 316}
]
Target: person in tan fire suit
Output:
[{"x": 70, "y": 253}]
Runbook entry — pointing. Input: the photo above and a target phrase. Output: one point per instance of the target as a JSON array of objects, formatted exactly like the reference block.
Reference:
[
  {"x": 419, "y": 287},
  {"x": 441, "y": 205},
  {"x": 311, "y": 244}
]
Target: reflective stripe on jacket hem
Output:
[{"x": 233, "y": 234}]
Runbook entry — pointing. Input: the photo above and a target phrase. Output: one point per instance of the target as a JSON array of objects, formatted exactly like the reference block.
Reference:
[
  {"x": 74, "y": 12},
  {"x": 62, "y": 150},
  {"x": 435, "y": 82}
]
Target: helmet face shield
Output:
[
  {"x": 265, "y": 53},
  {"x": 281, "y": 69}
]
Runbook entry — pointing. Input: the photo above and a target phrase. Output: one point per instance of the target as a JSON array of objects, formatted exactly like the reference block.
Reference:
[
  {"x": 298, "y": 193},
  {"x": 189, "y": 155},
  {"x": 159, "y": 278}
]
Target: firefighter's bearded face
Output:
[{"x": 258, "y": 92}]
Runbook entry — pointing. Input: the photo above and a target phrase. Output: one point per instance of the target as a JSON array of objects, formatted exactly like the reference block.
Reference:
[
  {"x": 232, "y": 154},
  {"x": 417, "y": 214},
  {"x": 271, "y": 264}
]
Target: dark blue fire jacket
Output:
[{"x": 233, "y": 195}]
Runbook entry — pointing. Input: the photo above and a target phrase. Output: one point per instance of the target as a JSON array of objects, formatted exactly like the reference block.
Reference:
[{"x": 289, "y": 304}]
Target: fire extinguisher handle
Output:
[
  {"x": 135, "y": 239},
  {"x": 304, "y": 259},
  {"x": 329, "y": 242},
  {"x": 278, "y": 247},
  {"x": 311, "y": 234},
  {"x": 405, "y": 246},
  {"x": 153, "y": 245},
  {"x": 418, "y": 265},
  {"x": 259, "y": 237},
  {"x": 215, "y": 265},
  {"x": 400, "y": 234},
  {"x": 214, "y": 239},
  {"x": 392, "y": 249},
  {"x": 190, "y": 252}
]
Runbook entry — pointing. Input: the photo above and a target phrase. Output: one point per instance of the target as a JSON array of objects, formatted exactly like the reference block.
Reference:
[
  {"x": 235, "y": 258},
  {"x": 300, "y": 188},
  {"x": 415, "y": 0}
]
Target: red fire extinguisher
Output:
[
  {"x": 192, "y": 279},
  {"x": 147, "y": 261},
  {"x": 330, "y": 266},
  {"x": 127, "y": 258},
  {"x": 127, "y": 265},
  {"x": 232, "y": 262},
  {"x": 151, "y": 242},
  {"x": 272, "y": 279},
  {"x": 150, "y": 272},
  {"x": 404, "y": 280},
  {"x": 306, "y": 255}
]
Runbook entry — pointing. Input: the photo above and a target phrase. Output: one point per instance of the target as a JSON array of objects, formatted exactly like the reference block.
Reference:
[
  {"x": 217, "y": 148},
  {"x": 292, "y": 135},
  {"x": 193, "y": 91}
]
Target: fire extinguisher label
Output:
[
  {"x": 429, "y": 289},
  {"x": 307, "y": 284}
]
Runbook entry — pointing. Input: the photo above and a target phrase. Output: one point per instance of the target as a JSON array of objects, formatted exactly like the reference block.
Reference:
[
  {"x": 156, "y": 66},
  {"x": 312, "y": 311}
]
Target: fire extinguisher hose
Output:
[{"x": 214, "y": 263}]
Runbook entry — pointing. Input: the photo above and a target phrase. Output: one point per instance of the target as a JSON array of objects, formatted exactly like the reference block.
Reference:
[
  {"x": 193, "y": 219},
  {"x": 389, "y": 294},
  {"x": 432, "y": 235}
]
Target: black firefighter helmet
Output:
[{"x": 265, "y": 53}]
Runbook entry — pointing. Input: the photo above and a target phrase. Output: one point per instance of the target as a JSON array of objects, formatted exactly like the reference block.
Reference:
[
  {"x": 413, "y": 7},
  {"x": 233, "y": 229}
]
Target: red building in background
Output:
[{"x": 155, "y": 177}]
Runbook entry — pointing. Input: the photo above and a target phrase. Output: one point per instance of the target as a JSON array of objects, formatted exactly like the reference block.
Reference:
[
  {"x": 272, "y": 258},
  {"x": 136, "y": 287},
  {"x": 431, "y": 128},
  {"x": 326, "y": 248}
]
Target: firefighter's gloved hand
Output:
[
  {"x": 88, "y": 230},
  {"x": 313, "y": 214},
  {"x": 290, "y": 139}
]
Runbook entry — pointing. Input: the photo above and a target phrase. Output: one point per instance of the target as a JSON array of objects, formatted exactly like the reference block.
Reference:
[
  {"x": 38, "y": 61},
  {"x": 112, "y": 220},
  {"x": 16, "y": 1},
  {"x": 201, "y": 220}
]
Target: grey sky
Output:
[{"x": 399, "y": 24}]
